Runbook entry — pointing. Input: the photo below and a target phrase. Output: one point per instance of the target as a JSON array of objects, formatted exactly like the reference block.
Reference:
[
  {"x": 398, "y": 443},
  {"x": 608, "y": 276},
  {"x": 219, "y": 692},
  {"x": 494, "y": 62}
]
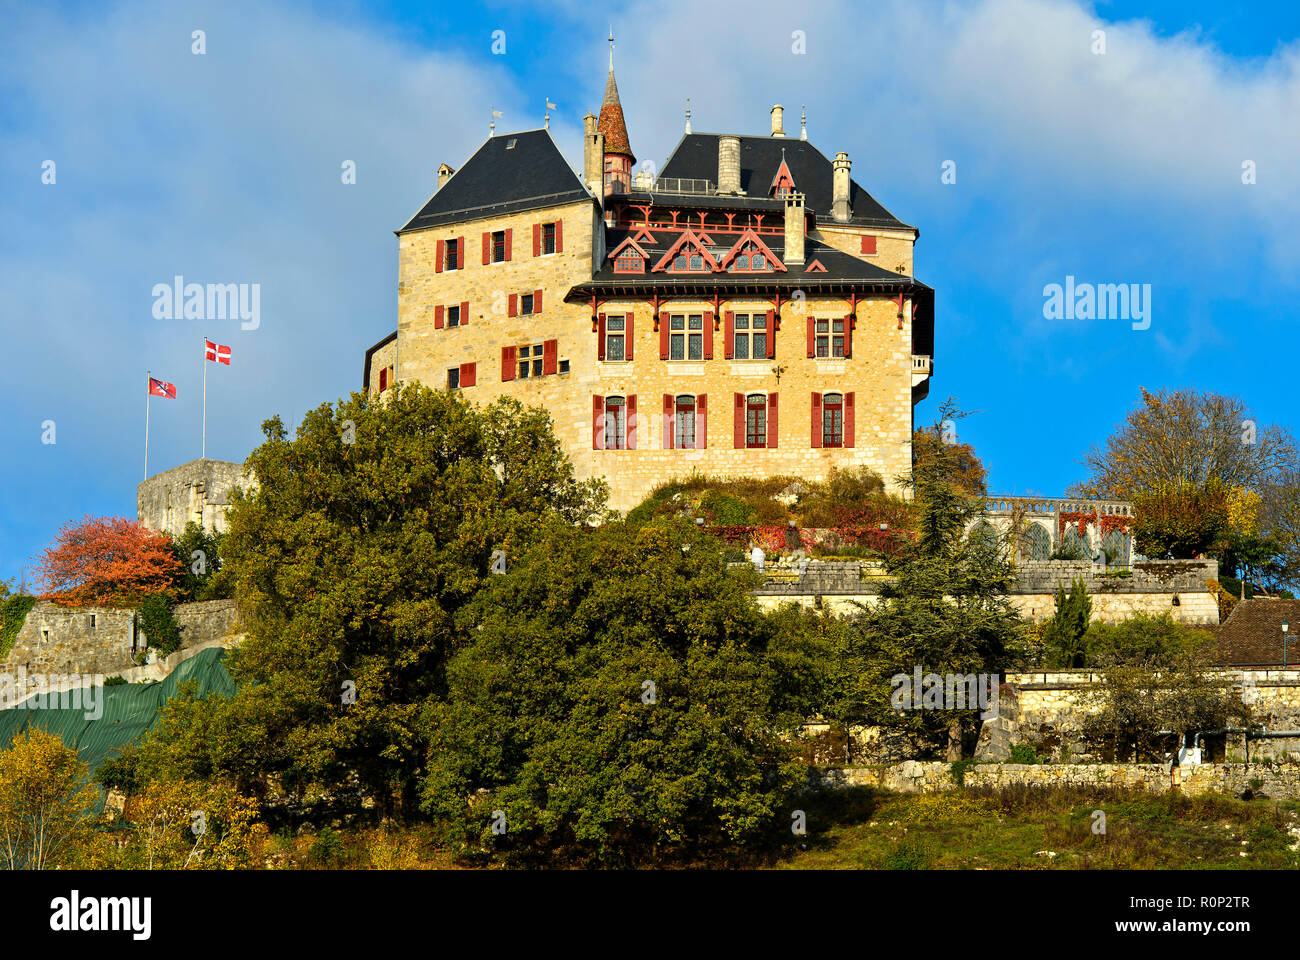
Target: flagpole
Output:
[
  {"x": 205, "y": 397},
  {"x": 147, "y": 394}
]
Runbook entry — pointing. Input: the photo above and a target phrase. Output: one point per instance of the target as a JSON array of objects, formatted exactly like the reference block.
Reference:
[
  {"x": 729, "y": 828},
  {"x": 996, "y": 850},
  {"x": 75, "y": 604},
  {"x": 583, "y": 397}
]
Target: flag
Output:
[
  {"x": 160, "y": 389},
  {"x": 217, "y": 352}
]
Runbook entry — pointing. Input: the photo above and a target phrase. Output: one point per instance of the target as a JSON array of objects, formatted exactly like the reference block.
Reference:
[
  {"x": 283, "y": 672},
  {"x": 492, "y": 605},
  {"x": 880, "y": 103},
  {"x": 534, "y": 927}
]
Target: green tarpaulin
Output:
[{"x": 129, "y": 710}]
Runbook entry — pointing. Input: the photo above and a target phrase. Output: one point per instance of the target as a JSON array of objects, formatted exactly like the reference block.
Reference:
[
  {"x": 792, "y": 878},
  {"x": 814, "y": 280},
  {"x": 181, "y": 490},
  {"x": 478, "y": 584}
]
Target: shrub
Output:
[
  {"x": 158, "y": 624},
  {"x": 1023, "y": 753},
  {"x": 13, "y": 612}
]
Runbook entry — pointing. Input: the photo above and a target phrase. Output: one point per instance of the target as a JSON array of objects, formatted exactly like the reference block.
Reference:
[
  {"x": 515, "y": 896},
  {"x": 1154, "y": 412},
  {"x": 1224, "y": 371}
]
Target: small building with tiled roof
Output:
[
  {"x": 752, "y": 310},
  {"x": 1252, "y": 636}
]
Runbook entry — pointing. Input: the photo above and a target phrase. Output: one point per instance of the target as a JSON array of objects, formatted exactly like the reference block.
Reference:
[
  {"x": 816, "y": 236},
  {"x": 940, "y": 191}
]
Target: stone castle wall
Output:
[
  {"x": 879, "y": 373},
  {"x": 105, "y": 640},
  {"x": 198, "y": 491}
]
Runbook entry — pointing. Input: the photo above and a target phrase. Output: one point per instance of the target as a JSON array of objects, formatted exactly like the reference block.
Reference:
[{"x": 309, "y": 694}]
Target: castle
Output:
[{"x": 749, "y": 311}]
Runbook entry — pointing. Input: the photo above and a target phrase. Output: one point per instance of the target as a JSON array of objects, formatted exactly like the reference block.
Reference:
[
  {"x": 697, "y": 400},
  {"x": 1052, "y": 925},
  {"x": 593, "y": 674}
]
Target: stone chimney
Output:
[
  {"x": 794, "y": 228},
  {"x": 840, "y": 209},
  {"x": 444, "y": 174},
  {"x": 777, "y": 112},
  {"x": 729, "y": 164},
  {"x": 593, "y": 155}
]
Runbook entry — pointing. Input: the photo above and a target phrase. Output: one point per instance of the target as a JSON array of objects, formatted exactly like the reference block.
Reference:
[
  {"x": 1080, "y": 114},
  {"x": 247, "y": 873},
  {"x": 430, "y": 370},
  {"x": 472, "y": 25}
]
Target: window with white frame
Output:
[
  {"x": 615, "y": 423},
  {"x": 686, "y": 337},
  {"x": 750, "y": 333},
  {"x": 615, "y": 334}
]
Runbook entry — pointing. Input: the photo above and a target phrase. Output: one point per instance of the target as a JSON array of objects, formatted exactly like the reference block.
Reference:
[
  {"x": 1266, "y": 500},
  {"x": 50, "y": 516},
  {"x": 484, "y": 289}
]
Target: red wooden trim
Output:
[
  {"x": 701, "y": 421},
  {"x": 848, "y": 419},
  {"x": 663, "y": 336},
  {"x": 816, "y": 420},
  {"x": 537, "y": 301},
  {"x": 512, "y": 306},
  {"x": 460, "y": 253},
  {"x": 631, "y": 421},
  {"x": 750, "y": 236},
  {"x": 628, "y": 338},
  {"x": 771, "y": 334},
  {"x": 771, "y": 421},
  {"x": 738, "y": 421},
  {"x": 468, "y": 374},
  {"x": 437, "y": 317},
  {"x": 869, "y": 245},
  {"x": 437, "y": 257},
  {"x": 509, "y": 240},
  {"x": 464, "y": 313},
  {"x": 670, "y": 410},
  {"x": 597, "y": 422},
  {"x": 537, "y": 239},
  {"x": 487, "y": 247},
  {"x": 848, "y": 337},
  {"x": 812, "y": 337},
  {"x": 708, "y": 335},
  {"x": 600, "y": 342},
  {"x": 728, "y": 334},
  {"x": 559, "y": 236},
  {"x": 509, "y": 363}
]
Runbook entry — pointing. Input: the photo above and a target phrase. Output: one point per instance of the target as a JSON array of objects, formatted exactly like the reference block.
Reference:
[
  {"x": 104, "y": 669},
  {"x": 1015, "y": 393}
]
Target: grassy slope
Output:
[{"x": 1015, "y": 829}]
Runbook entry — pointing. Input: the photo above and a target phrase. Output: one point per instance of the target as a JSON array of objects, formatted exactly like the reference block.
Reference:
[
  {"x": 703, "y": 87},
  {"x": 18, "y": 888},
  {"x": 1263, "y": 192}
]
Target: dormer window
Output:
[{"x": 629, "y": 262}]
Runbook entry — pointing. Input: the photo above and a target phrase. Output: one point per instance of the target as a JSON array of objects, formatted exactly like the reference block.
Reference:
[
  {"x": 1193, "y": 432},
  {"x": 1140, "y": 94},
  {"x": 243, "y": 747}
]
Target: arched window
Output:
[
  {"x": 1073, "y": 545},
  {"x": 684, "y": 422},
  {"x": 756, "y": 420},
  {"x": 615, "y": 423},
  {"x": 1117, "y": 546},
  {"x": 1036, "y": 543},
  {"x": 833, "y": 420},
  {"x": 984, "y": 535}
]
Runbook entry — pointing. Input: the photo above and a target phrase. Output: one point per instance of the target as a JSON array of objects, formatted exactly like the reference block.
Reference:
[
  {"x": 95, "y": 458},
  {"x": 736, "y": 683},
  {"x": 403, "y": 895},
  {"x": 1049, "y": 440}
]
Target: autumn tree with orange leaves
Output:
[{"x": 109, "y": 561}]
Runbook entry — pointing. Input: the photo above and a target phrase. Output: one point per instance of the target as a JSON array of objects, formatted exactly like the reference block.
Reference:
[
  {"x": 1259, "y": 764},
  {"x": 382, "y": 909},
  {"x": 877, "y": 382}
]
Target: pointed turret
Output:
[{"x": 618, "y": 158}]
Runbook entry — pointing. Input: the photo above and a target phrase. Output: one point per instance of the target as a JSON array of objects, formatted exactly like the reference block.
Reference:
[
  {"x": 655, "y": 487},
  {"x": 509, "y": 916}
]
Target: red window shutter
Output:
[
  {"x": 383, "y": 380},
  {"x": 487, "y": 248},
  {"x": 537, "y": 301},
  {"x": 848, "y": 419},
  {"x": 738, "y": 422},
  {"x": 559, "y": 235},
  {"x": 437, "y": 257},
  {"x": 771, "y": 421},
  {"x": 771, "y": 334},
  {"x": 597, "y": 423},
  {"x": 460, "y": 253},
  {"x": 512, "y": 306},
  {"x": 812, "y": 337},
  {"x": 537, "y": 239},
  {"x": 600, "y": 342},
  {"x": 464, "y": 312},
  {"x": 509, "y": 363},
  {"x": 868, "y": 244},
  {"x": 509, "y": 236},
  {"x": 848, "y": 336},
  {"x": 668, "y": 421},
  {"x": 816, "y": 420},
  {"x": 467, "y": 374},
  {"x": 728, "y": 333},
  {"x": 663, "y": 336},
  {"x": 550, "y": 356},
  {"x": 631, "y": 421},
  {"x": 708, "y": 336},
  {"x": 701, "y": 421},
  {"x": 628, "y": 339},
  {"x": 437, "y": 317}
]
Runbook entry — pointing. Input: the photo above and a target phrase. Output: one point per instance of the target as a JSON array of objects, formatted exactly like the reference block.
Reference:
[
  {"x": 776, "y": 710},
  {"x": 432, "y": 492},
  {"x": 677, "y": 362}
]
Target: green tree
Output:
[
  {"x": 623, "y": 700},
  {"x": 45, "y": 802},
  {"x": 1064, "y": 635},
  {"x": 200, "y": 553},
  {"x": 366, "y": 535}
]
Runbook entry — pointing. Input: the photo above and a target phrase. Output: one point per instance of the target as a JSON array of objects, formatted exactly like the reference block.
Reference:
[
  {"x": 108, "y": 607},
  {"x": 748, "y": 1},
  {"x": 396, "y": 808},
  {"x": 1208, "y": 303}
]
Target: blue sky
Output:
[{"x": 1123, "y": 167}]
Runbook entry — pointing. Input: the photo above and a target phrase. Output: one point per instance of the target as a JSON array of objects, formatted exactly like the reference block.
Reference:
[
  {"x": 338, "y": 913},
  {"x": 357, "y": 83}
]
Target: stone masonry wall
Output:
[
  {"x": 199, "y": 490},
  {"x": 1279, "y": 781},
  {"x": 104, "y": 640},
  {"x": 879, "y": 373}
]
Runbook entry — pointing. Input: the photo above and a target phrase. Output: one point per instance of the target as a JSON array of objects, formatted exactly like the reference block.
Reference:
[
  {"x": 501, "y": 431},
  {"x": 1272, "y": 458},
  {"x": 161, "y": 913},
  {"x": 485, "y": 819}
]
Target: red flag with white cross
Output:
[{"x": 217, "y": 352}]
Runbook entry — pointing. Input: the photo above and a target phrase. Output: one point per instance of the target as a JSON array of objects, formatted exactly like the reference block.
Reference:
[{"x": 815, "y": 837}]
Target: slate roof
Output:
[
  {"x": 1252, "y": 634},
  {"x": 696, "y": 158},
  {"x": 500, "y": 179}
]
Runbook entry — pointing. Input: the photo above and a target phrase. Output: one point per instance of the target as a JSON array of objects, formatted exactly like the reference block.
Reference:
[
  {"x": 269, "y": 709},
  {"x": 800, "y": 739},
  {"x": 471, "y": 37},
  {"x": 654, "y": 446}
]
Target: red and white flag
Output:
[
  {"x": 160, "y": 389},
  {"x": 217, "y": 352}
]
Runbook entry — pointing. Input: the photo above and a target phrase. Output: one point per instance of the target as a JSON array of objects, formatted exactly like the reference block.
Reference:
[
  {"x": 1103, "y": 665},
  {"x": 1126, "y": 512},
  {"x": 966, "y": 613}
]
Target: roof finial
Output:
[
  {"x": 611, "y": 48},
  {"x": 803, "y": 122},
  {"x": 492, "y": 127},
  {"x": 688, "y": 114},
  {"x": 547, "y": 119}
]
